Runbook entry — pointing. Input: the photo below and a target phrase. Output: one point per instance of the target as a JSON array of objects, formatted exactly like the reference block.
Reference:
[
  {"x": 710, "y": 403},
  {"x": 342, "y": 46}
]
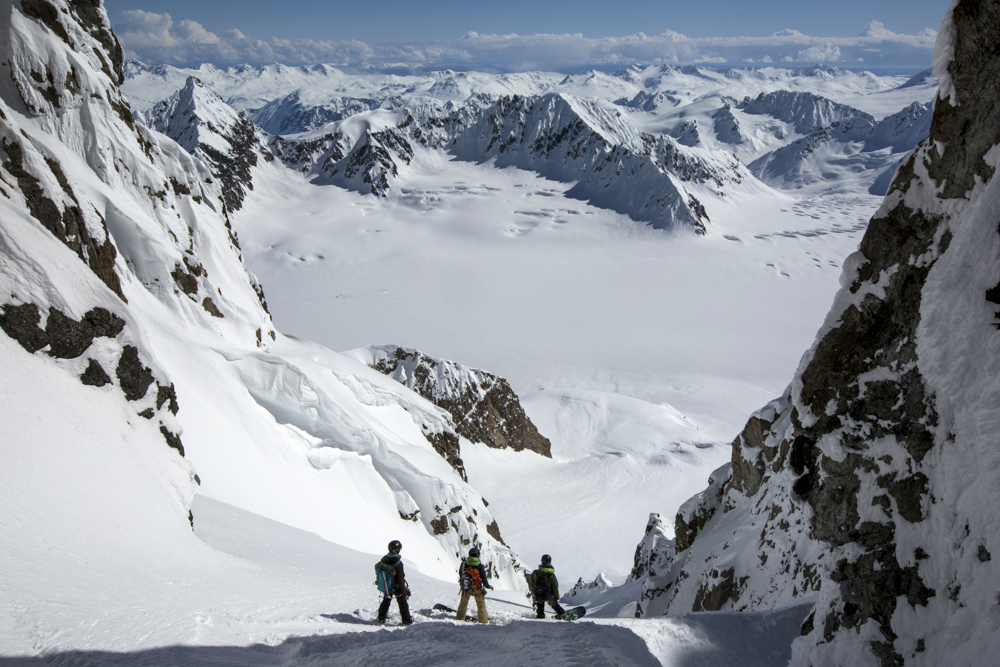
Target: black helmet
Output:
[
  {"x": 395, "y": 545},
  {"x": 546, "y": 559},
  {"x": 474, "y": 551}
]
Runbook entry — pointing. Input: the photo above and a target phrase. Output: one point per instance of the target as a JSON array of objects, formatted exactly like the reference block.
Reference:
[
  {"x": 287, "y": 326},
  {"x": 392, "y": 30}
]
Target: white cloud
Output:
[
  {"x": 819, "y": 54},
  {"x": 157, "y": 38},
  {"x": 877, "y": 30}
]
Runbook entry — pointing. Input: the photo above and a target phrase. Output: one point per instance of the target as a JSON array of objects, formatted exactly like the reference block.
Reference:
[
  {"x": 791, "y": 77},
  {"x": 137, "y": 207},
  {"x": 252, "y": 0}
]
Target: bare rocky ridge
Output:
[
  {"x": 484, "y": 407},
  {"x": 839, "y": 491}
]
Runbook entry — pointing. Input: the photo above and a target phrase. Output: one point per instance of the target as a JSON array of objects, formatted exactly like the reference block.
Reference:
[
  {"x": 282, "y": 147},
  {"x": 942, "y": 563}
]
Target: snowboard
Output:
[
  {"x": 574, "y": 613},
  {"x": 441, "y": 607}
]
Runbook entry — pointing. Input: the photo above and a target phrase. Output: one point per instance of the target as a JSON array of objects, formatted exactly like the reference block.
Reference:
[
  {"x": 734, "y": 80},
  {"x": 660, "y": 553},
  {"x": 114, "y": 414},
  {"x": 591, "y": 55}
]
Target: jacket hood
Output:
[{"x": 472, "y": 561}]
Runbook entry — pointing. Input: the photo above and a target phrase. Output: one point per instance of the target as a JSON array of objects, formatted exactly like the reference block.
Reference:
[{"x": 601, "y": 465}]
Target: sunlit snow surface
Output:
[
  {"x": 281, "y": 596},
  {"x": 639, "y": 353}
]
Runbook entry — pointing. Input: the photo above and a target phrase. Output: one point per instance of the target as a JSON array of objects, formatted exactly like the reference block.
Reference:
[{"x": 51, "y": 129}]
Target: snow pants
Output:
[
  {"x": 554, "y": 603},
  {"x": 404, "y": 609},
  {"x": 463, "y": 606}
]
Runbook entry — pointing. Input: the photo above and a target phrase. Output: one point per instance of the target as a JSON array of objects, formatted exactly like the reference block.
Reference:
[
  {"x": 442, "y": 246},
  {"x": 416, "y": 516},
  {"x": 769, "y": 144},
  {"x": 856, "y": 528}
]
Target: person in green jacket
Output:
[
  {"x": 545, "y": 588},
  {"x": 473, "y": 583}
]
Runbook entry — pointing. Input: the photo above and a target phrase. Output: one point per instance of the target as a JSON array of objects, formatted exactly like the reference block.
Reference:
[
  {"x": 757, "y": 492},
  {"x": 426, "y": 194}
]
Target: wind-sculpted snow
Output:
[
  {"x": 425, "y": 490},
  {"x": 869, "y": 487}
]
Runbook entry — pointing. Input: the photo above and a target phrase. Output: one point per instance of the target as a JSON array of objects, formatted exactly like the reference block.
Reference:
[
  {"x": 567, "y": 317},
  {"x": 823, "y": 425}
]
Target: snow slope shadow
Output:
[{"x": 425, "y": 644}]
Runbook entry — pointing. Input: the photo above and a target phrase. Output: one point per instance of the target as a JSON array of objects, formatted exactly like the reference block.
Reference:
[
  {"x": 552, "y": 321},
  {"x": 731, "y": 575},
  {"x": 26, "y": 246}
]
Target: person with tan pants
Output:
[{"x": 473, "y": 583}]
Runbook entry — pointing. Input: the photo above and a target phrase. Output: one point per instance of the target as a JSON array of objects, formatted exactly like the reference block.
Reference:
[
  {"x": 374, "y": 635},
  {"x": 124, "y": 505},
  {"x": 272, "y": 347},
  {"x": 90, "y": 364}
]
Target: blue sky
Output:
[{"x": 530, "y": 34}]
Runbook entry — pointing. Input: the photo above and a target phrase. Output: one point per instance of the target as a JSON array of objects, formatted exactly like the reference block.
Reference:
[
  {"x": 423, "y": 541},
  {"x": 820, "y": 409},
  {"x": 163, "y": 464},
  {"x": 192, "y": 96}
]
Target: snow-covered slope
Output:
[
  {"x": 141, "y": 367},
  {"x": 868, "y": 488}
]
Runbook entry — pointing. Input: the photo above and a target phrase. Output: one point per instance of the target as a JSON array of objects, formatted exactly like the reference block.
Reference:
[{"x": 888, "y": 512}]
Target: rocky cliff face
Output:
[
  {"x": 483, "y": 406},
  {"x": 64, "y": 70},
  {"x": 870, "y": 487}
]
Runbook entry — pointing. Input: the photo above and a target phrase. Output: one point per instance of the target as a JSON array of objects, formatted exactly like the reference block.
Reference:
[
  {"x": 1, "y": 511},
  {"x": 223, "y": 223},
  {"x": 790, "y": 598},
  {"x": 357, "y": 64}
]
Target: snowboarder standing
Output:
[
  {"x": 545, "y": 588},
  {"x": 398, "y": 589},
  {"x": 473, "y": 583}
]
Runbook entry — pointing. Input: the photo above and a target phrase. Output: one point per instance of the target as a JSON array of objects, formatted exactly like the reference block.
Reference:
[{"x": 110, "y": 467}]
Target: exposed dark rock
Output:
[
  {"x": 494, "y": 531},
  {"x": 66, "y": 338},
  {"x": 133, "y": 377},
  {"x": 446, "y": 444},
  {"x": 861, "y": 422},
  {"x": 484, "y": 407},
  {"x": 233, "y": 169},
  {"x": 47, "y": 14},
  {"x": 148, "y": 413},
  {"x": 68, "y": 225},
  {"x": 95, "y": 375},
  {"x": 89, "y": 14},
  {"x": 713, "y": 597},
  {"x": 174, "y": 441},
  {"x": 166, "y": 395},
  {"x": 440, "y": 525},
  {"x": 983, "y": 554},
  {"x": 209, "y": 306},
  {"x": 69, "y": 339},
  {"x": 21, "y": 324},
  {"x": 807, "y": 625},
  {"x": 187, "y": 282},
  {"x": 654, "y": 554}
]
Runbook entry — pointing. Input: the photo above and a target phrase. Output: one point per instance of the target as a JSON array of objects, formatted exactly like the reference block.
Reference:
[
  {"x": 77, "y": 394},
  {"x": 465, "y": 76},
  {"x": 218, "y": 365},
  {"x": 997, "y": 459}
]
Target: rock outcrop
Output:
[
  {"x": 483, "y": 406},
  {"x": 869, "y": 487}
]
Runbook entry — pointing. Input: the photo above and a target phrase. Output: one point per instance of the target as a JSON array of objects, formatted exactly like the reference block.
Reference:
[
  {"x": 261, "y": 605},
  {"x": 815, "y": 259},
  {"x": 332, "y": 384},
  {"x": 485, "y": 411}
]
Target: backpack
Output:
[
  {"x": 542, "y": 586},
  {"x": 471, "y": 581},
  {"x": 385, "y": 578}
]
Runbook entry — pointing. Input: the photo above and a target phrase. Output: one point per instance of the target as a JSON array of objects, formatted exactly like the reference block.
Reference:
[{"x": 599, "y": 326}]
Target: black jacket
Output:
[{"x": 397, "y": 562}]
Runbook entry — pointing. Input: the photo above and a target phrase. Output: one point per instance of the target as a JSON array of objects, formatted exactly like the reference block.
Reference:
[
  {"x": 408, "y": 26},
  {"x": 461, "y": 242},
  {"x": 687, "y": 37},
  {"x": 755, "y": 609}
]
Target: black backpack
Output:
[{"x": 542, "y": 586}]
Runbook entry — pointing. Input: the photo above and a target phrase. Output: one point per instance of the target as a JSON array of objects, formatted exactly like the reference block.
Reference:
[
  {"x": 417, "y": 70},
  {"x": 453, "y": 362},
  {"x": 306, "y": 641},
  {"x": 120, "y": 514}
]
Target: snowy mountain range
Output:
[
  {"x": 677, "y": 136},
  {"x": 587, "y": 282}
]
